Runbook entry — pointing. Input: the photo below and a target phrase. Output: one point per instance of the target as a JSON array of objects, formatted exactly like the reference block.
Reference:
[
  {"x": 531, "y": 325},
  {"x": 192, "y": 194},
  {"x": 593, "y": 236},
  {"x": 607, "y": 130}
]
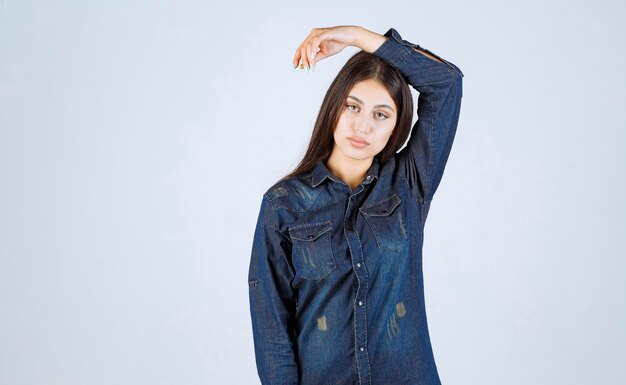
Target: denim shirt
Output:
[{"x": 335, "y": 280}]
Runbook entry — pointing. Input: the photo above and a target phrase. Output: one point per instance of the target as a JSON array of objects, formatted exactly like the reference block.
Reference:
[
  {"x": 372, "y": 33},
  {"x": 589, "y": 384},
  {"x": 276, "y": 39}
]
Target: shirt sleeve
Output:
[
  {"x": 423, "y": 160},
  {"x": 272, "y": 303}
]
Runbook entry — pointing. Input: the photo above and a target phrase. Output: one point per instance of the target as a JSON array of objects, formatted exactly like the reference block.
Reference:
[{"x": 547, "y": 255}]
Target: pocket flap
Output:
[
  {"x": 382, "y": 208},
  {"x": 309, "y": 231}
]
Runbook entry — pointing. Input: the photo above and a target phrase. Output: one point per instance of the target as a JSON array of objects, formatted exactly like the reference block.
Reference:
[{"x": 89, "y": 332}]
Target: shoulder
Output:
[{"x": 294, "y": 193}]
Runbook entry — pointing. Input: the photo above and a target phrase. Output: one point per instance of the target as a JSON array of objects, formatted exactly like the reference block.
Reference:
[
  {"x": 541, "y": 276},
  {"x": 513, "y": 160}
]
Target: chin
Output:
[{"x": 356, "y": 155}]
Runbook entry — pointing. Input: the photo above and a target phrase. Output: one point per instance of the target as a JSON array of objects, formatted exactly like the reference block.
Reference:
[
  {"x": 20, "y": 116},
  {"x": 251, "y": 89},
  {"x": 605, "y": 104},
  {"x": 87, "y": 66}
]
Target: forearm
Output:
[
  {"x": 420, "y": 70},
  {"x": 272, "y": 302},
  {"x": 369, "y": 41}
]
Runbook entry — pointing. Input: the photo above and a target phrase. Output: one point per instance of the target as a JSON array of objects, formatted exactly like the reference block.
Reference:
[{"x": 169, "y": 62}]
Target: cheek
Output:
[
  {"x": 337, "y": 133},
  {"x": 342, "y": 127},
  {"x": 386, "y": 137},
  {"x": 380, "y": 141},
  {"x": 343, "y": 121}
]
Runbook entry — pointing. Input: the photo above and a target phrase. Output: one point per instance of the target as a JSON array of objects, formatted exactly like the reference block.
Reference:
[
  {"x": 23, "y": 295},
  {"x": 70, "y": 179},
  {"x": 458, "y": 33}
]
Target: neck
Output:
[{"x": 351, "y": 171}]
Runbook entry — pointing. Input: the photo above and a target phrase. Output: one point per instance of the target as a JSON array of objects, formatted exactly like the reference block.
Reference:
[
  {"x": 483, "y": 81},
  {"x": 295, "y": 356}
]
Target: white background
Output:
[{"x": 137, "y": 137}]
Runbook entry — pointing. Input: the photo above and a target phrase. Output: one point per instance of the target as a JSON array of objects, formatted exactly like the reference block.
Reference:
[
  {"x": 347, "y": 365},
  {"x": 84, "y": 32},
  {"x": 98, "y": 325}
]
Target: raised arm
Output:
[
  {"x": 272, "y": 304},
  {"x": 438, "y": 81},
  {"x": 439, "y": 84}
]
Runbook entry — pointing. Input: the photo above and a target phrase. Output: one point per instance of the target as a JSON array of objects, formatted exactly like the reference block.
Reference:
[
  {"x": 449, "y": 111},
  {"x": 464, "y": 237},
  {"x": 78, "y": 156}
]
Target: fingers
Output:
[
  {"x": 308, "y": 50},
  {"x": 309, "y": 56},
  {"x": 304, "y": 58},
  {"x": 296, "y": 58},
  {"x": 299, "y": 60},
  {"x": 318, "y": 56},
  {"x": 314, "y": 50}
]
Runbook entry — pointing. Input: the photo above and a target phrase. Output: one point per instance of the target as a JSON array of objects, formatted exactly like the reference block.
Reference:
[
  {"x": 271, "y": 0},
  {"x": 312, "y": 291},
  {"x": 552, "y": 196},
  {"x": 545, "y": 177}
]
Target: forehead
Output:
[{"x": 371, "y": 92}]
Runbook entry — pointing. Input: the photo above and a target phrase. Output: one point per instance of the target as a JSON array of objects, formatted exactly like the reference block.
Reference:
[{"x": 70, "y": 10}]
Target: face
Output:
[{"x": 366, "y": 122}]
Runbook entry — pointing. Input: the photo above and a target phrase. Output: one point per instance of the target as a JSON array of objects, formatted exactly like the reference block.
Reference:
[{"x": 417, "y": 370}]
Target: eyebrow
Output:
[{"x": 379, "y": 105}]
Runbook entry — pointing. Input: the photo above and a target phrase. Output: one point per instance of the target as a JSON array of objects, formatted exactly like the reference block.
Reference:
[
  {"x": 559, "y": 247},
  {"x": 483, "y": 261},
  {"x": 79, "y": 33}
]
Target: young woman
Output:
[{"x": 335, "y": 279}]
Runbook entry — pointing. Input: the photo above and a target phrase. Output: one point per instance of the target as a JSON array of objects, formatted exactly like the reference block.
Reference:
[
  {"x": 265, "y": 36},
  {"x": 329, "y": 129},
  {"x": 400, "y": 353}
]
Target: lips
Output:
[{"x": 357, "y": 140}]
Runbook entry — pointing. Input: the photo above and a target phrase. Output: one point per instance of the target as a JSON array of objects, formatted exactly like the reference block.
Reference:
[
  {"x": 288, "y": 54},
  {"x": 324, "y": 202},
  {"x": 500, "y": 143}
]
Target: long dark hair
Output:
[{"x": 361, "y": 66}]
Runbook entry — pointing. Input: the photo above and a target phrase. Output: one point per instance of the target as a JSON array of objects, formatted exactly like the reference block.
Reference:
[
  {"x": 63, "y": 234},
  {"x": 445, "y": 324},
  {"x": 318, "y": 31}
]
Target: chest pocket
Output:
[
  {"x": 312, "y": 252},
  {"x": 387, "y": 223}
]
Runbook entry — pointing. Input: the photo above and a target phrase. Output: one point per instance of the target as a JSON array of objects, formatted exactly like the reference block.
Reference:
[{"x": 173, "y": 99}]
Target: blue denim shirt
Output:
[{"x": 335, "y": 280}]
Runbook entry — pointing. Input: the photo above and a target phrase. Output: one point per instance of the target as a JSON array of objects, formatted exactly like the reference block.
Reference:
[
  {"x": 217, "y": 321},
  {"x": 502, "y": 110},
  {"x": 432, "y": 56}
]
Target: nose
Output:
[{"x": 362, "y": 124}]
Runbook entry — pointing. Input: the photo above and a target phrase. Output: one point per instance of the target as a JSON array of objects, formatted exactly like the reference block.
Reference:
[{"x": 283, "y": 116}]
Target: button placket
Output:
[{"x": 360, "y": 270}]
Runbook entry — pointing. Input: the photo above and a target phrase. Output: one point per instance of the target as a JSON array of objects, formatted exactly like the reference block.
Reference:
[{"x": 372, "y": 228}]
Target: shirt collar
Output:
[{"x": 321, "y": 172}]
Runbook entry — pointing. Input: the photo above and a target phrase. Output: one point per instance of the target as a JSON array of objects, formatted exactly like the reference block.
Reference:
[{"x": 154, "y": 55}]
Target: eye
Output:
[
  {"x": 351, "y": 105},
  {"x": 381, "y": 115}
]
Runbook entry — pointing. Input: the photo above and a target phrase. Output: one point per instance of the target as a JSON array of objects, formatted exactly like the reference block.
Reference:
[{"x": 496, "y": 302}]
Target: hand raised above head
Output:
[
  {"x": 322, "y": 43},
  {"x": 325, "y": 42}
]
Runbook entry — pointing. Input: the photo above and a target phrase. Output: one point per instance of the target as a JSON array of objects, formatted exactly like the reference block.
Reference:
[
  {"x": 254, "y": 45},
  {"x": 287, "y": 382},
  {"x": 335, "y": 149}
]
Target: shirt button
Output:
[
  {"x": 358, "y": 265},
  {"x": 360, "y": 303},
  {"x": 361, "y": 348}
]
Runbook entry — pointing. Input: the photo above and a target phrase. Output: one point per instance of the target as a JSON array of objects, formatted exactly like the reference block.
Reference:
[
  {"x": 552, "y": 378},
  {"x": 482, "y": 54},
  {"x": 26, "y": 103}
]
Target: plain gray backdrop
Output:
[{"x": 137, "y": 137}]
